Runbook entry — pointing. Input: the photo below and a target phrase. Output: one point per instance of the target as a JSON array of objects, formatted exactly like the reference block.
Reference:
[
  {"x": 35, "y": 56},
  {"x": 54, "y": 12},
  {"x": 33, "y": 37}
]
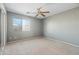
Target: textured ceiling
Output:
[{"x": 54, "y": 8}]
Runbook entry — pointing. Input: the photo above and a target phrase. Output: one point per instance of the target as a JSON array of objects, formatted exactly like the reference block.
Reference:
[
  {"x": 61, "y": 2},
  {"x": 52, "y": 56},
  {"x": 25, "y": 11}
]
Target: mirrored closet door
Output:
[{"x": 0, "y": 28}]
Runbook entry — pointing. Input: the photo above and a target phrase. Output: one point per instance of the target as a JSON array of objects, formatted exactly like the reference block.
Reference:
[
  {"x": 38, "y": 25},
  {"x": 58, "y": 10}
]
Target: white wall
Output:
[
  {"x": 35, "y": 30},
  {"x": 63, "y": 26}
]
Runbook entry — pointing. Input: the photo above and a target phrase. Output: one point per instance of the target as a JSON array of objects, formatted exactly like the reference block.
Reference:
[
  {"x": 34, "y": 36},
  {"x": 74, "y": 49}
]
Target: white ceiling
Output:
[{"x": 54, "y": 8}]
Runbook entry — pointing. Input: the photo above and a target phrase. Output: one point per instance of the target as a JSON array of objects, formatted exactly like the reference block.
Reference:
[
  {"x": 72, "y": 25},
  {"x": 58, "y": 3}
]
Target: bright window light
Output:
[
  {"x": 25, "y": 25},
  {"x": 21, "y": 24}
]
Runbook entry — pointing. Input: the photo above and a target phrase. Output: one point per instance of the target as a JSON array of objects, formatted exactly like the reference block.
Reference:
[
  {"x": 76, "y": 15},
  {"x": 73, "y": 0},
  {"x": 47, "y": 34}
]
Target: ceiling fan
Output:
[{"x": 39, "y": 12}]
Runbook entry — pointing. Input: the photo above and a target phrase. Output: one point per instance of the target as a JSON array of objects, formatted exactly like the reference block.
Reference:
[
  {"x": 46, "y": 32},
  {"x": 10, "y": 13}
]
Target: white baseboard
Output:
[
  {"x": 64, "y": 42},
  {"x": 70, "y": 44}
]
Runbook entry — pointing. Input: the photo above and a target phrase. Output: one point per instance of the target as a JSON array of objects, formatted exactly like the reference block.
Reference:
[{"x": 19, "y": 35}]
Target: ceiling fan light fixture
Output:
[{"x": 39, "y": 12}]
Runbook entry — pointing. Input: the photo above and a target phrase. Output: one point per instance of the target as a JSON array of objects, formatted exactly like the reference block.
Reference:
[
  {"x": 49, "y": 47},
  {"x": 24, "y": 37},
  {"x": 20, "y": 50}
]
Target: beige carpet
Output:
[{"x": 39, "y": 46}]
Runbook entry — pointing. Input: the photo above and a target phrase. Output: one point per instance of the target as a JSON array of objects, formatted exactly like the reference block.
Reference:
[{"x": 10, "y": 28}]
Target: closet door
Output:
[{"x": 0, "y": 27}]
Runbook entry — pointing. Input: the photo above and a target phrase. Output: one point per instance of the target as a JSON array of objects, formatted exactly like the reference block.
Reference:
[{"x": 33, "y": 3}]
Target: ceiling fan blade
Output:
[
  {"x": 45, "y": 12},
  {"x": 42, "y": 14},
  {"x": 37, "y": 15},
  {"x": 39, "y": 8}
]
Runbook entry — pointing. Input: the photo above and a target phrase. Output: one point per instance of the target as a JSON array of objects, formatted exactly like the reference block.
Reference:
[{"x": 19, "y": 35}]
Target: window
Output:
[
  {"x": 21, "y": 24},
  {"x": 17, "y": 24},
  {"x": 25, "y": 25}
]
